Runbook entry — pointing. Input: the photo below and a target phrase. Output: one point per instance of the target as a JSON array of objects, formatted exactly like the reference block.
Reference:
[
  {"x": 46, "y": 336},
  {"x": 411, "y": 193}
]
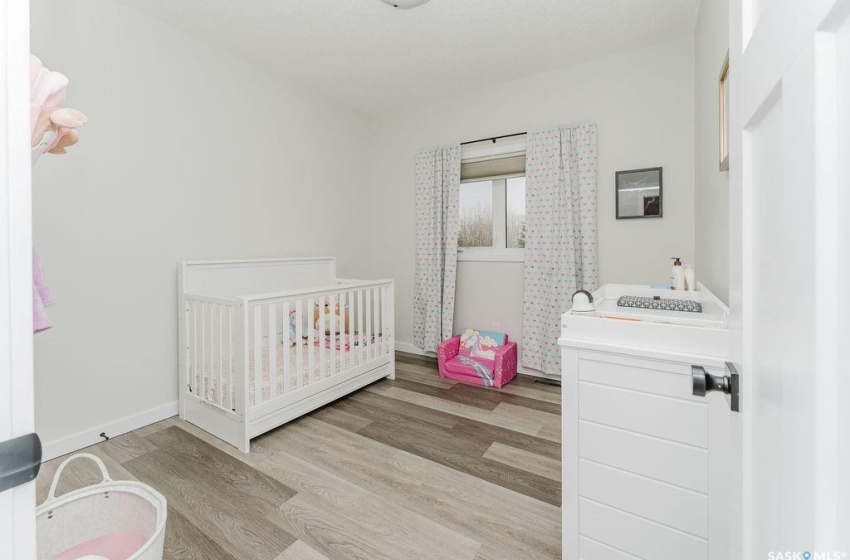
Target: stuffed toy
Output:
[
  {"x": 326, "y": 312},
  {"x": 53, "y": 127},
  {"x": 52, "y": 130}
]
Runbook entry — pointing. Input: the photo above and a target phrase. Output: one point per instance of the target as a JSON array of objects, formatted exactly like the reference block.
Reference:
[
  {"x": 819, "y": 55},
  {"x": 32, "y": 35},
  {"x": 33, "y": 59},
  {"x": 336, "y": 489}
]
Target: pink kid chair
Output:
[{"x": 478, "y": 357}]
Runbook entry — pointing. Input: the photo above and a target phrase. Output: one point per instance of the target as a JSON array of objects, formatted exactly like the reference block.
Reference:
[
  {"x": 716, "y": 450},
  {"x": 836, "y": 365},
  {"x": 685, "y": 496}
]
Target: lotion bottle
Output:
[
  {"x": 690, "y": 280},
  {"x": 677, "y": 279}
]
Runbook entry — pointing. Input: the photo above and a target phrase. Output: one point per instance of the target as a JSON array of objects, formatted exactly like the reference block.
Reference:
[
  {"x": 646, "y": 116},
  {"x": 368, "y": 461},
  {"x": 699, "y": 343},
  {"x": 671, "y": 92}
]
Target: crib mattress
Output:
[{"x": 215, "y": 382}]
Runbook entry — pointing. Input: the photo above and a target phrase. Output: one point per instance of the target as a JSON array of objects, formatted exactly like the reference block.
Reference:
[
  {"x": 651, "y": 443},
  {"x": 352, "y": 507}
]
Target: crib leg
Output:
[
  {"x": 391, "y": 376},
  {"x": 244, "y": 443}
]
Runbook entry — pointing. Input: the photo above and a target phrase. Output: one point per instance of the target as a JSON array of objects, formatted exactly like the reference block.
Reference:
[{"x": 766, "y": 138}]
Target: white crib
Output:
[{"x": 250, "y": 363}]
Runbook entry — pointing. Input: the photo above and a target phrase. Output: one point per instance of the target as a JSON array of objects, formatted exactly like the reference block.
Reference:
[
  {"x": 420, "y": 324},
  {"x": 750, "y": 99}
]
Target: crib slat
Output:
[
  {"x": 190, "y": 359},
  {"x": 360, "y": 331},
  {"x": 370, "y": 318},
  {"x": 199, "y": 347},
  {"x": 329, "y": 340},
  {"x": 369, "y": 336},
  {"x": 193, "y": 320},
  {"x": 345, "y": 336},
  {"x": 211, "y": 376},
  {"x": 210, "y": 388},
  {"x": 350, "y": 329},
  {"x": 230, "y": 388},
  {"x": 320, "y": 330},
  {"x": 336, "y": 303},
  {"x": 213, "y": 352},
  {"x": 376, "y": 302},
  {"x": 211, "y": 385},
  {"x": 199, "y": 387},
  {"x": 337, "y": 332},
  {"x": 311, "y": 344},
  {"x": 287, "y": 343},
  {"x": 258, "y": 355},
  {"x": 299, "y": 354},
  {"x": 339, "y": 342},
  {"x": 204, "y": 369},
  {"x": 220, "y": 394},
  {"x": 384, "y": 319},
  {"x": 272, "y": 351}
]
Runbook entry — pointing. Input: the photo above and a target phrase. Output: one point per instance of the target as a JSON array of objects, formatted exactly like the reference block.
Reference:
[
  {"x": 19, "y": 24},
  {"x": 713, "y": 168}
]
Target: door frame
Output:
[{"x": 17, "y": 506}]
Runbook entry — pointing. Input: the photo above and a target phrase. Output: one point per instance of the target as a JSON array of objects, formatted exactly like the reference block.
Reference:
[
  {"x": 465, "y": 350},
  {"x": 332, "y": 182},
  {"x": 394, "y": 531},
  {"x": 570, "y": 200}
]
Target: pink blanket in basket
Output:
[{"x": 112, "y": 546}]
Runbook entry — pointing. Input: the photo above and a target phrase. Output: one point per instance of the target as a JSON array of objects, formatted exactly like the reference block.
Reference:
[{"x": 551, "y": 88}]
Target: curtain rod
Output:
[{"x": 494, "y": 138}]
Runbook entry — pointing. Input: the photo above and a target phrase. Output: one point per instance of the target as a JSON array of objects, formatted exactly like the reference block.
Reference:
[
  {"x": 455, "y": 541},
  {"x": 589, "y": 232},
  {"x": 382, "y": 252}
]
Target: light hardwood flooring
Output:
[{"x": 416, "y": 468}]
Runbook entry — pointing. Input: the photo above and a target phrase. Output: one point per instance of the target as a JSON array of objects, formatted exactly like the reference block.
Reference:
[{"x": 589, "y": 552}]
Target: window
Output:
[
  {"x": 476, "y": 214},
  {"x": 492, "y": 199},
  {"x": 515, "y": 212},
  {"x": 492, "y": 219}
]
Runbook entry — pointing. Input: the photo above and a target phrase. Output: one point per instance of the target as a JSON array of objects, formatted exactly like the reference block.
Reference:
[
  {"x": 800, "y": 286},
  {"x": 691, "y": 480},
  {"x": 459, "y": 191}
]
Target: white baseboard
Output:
[
  {"x": 413, "y": 349},
  {"x": 75, "y": 442}
]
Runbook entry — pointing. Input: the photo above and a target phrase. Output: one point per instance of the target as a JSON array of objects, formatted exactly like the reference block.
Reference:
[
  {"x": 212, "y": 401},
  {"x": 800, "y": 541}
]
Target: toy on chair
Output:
[{"x": 478, "y": 357}]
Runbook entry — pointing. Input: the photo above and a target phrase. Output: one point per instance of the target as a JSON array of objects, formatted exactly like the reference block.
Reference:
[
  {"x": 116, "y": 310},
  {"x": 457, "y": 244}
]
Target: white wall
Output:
[
  {"x": 711, "y": 202},
  {"x": 643, "y": 103},
  {"x": 189, "y": 153}
]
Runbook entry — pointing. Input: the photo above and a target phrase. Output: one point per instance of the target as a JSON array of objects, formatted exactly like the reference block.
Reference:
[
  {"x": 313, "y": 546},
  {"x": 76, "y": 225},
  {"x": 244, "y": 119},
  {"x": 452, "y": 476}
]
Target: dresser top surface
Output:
[{"x": 605, "y": 302}]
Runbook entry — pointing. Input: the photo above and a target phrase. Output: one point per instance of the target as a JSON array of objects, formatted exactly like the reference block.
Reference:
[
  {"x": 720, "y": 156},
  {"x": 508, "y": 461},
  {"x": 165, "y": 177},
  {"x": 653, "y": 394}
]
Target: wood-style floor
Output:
[{"x": 416, "y": 468}]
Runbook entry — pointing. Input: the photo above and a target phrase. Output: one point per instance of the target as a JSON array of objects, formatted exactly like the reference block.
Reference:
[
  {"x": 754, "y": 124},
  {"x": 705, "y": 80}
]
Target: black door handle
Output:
[
  {"x": 20, "y": 461},
  {"x": 704, "y": 383}
]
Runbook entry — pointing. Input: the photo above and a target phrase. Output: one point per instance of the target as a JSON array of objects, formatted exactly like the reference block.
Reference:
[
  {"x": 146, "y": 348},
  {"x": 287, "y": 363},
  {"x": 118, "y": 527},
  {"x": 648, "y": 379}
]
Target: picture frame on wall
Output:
[
  {"x": 639, "y": 193},
  {"x": 724, "y": 114}
]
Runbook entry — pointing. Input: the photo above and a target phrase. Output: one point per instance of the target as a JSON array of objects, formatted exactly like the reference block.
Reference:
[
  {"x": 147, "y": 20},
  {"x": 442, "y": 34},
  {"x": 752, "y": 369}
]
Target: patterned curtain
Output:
[
  {"x": 437, "y": 226},
  {"x": 560, "y": 238}
]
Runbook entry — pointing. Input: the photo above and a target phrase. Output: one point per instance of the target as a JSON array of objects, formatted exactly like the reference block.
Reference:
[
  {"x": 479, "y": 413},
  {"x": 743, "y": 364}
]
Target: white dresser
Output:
[{"x": 643, "y": 458}]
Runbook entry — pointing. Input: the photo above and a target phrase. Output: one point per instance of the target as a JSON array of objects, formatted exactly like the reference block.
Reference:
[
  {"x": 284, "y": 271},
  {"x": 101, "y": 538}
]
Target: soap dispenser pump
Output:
[{"x": 677, "y": 279}]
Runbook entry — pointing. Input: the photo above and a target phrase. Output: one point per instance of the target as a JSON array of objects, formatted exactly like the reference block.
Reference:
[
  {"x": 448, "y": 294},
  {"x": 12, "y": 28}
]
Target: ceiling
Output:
[{"x": 377, "y": 59}]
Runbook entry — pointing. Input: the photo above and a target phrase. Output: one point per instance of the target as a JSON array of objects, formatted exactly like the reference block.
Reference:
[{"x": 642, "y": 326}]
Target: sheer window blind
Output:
[{"x": 493, "y": 168}]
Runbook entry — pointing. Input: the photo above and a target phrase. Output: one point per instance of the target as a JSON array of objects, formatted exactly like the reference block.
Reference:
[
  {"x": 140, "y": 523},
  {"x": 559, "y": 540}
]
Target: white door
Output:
[
  {"x": 17, "y": 506},
  {"x": 790, "y": 183}
]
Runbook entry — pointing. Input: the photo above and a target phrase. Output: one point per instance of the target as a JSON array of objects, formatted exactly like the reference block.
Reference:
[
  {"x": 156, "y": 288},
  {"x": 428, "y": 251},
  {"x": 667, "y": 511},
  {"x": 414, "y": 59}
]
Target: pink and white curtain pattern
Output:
[
  {"x": 437, "y": 225},
  {"x": 560, "y": 238}
]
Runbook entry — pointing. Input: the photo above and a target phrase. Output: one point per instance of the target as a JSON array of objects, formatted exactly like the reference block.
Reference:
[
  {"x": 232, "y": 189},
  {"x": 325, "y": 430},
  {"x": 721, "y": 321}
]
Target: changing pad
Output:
[{"x": 657, "y": 302}]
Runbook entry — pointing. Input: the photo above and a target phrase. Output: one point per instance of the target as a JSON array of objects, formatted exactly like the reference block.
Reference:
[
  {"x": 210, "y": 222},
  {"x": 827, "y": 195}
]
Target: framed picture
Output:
[
  {"x": 724, "y": 115},
  {"x": 638, "y": 193}
]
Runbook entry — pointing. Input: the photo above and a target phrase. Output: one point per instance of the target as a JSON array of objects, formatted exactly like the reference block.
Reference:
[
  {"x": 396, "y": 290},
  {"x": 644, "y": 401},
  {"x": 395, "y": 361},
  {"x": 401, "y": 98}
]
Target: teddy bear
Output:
[{"x": 328, "y": 317}]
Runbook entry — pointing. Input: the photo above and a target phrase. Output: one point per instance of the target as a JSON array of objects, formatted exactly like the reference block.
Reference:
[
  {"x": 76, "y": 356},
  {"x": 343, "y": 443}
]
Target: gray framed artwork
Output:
[{"x": 639, "y": 193}]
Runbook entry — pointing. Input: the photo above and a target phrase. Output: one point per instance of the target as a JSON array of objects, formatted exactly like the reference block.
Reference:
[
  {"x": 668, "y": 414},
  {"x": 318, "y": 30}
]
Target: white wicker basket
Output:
[{"x": 108, "y": 507}]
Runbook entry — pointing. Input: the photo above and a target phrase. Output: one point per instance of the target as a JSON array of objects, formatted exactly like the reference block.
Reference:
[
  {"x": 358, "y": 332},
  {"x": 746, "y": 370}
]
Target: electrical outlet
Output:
[{"x": 496, "y": 326}]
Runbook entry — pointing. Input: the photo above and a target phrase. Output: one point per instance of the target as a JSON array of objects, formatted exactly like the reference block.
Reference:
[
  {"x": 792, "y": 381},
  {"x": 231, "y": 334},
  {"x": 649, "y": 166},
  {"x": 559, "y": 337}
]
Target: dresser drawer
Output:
[
  {"x": 637, "y": 536},
  {"x": 668, "y": 418},
  {"x": 646, "y": 376},
  {"x": 668, "y": 461}
]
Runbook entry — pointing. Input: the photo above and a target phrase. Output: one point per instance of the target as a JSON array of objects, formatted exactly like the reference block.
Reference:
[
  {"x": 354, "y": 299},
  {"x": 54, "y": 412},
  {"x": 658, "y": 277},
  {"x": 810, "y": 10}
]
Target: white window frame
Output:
[{"x": 499, "y": 252}]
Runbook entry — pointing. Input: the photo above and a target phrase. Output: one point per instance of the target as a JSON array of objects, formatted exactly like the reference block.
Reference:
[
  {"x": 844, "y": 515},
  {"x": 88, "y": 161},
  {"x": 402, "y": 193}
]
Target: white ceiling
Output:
[{"x": 376, "y": 58}]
